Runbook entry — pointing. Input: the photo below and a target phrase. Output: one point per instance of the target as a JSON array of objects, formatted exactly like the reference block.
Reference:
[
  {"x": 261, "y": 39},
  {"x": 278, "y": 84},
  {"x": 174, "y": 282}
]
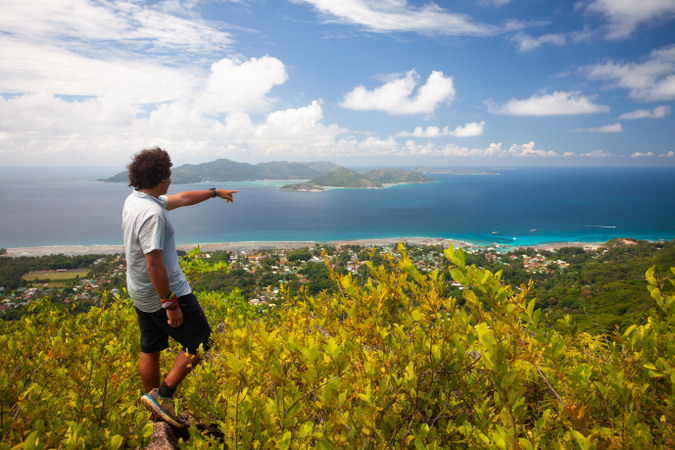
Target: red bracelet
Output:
[
  {"x": 173, "y": 305},
  {"x": 170, "y": 302}
]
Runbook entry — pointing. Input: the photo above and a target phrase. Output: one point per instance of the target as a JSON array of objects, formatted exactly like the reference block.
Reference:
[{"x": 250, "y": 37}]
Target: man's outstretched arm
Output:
[{"x": 189, "y": 198}]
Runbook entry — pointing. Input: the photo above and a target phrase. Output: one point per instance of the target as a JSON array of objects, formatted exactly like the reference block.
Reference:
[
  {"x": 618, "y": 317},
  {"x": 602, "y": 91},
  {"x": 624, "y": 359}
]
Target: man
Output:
[{"x": 162, "y": 297}]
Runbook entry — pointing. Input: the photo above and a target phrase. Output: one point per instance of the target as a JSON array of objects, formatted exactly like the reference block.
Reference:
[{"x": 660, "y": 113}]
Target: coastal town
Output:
[{"x": 263, "y": 270}]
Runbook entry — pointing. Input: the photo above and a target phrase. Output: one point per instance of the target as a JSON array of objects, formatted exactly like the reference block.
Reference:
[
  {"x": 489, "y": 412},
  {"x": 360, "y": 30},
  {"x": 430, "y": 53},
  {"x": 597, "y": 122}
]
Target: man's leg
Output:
[
  {"x": 148, "y": 368},
  {"x": 157, "y": 401},
  {"x": 193, "y": 333},
  {"x": 182, "y": 366}
]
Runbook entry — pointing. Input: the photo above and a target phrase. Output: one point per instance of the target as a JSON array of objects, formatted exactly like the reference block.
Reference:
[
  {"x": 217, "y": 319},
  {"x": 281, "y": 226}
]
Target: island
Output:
[
  {"x": 302, "y": 187},
  {"x": 225, "y": 170},
  {"x": 347, "y": 178},
  {"x": 321, "y": 175}
]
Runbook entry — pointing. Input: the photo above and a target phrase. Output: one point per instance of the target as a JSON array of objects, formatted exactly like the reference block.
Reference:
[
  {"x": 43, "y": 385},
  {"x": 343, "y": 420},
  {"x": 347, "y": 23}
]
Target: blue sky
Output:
[{"x": 354, "y": 82}]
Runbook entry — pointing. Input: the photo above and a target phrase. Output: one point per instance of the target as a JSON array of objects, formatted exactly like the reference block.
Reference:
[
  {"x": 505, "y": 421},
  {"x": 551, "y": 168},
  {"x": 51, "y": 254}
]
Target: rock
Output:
[{"x": 166, "y": 437}]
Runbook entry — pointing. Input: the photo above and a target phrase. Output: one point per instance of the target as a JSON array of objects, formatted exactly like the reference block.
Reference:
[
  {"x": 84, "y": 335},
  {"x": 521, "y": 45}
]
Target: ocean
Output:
[{"x": 517, "y": 206}]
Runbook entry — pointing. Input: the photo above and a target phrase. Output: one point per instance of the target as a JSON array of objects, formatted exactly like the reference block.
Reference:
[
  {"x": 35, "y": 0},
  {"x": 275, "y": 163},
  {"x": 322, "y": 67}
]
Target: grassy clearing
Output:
[{"x": 44, "y": 277}]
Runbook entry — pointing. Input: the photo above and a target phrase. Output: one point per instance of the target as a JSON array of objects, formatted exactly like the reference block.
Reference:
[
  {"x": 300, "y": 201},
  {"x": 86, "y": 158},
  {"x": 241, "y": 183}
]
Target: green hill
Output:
[
  {"x": 227, "y": 170},
  {"x": 388, "y": 176},
  {"x": 218, "y": 170},
  {"x": 346, "y": 178}
]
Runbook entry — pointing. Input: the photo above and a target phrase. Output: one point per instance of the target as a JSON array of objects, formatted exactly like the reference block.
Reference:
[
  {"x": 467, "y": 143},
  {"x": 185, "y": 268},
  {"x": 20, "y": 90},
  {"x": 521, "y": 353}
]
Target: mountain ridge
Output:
[
  {"x": 319, "y": 173},
  {"x": 227, "y": 170},
  {"x": 347, "y": 178}
]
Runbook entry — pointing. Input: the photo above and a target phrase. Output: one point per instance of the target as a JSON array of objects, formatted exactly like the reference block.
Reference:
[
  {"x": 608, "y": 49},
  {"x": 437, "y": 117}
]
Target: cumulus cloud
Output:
[
  {"x": 670, "y": 154},
  {"x": 626, "y": 15},
  {"x": 53, "y": 115},
  {"x": 396, "y": 96},
  {"x": 652, "y": 79},
  {"x": 614, "y": 128},
  {"x": 528, "y": 149},
  {"x": 87, "y": 79},
  {"x": 657, "y": 113},
  {"x": 557, "y": 103},
  {"x": 495, "y": 150},
  {"x": 297, "y": 126},
  {"x": 385, "y": 16},
  {"x": 466, "y": 130},
  {"x": 593, "y": 154},
  {"x": 242, "y": 85}
]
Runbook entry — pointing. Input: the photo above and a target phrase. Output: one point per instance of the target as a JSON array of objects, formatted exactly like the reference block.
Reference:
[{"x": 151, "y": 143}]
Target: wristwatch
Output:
[{"x": 215, "y": 194}]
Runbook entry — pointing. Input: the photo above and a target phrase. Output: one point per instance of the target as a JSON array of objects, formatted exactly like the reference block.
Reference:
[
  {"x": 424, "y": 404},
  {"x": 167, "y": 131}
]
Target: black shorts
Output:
[{"x": 195, "y": 330}]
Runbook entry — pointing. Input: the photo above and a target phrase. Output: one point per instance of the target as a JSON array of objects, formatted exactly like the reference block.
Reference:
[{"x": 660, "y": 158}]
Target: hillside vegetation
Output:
[
  {"x": 386, "y": 176},
  {"x": 347, "y": 178},
  {"x": 227, "y": 170},
  {"x": 392, "y": 363}
]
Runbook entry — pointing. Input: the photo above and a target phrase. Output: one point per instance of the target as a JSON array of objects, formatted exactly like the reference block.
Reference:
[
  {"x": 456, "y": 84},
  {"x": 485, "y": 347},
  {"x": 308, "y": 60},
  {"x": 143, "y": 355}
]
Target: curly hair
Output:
[{"x": 149, "y": 167}]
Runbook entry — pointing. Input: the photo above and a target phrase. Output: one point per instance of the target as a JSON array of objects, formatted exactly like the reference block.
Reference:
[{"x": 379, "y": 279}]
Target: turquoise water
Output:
[{"x": 523, "y": 206}]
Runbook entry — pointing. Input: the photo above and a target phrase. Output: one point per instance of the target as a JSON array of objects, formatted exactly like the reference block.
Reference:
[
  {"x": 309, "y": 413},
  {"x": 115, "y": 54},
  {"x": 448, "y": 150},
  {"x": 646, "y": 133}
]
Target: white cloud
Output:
[
  {"x": 653, "y": 79},
  {"x": 238, "y": 127},
  {"x": 295, "y": 133},
  {"x": 625, "y": 15},
  {"x": 593, "y": 154},
  {"x": 92, "y": 81},
  {"x": 242, "y": 86},
  {"x": 384, "y": 16},
  {"x": 614, "y": 128},
  {"x": 26, "y": 114},
  {"x": 525, "y": 150},
  {"x": 114, "y": 48},
  {"x": 70, "y": 23},
  {"x": 494, "y": 150},
  {"x": 396, "y": 96},
  {"x": 466, "y": 130},
  {"x": 51, "y": 130},
  {"x": 657, "y": 113},
  {"x": 296, "y": 127},
  {"x": 557, "y": 103},
  {"x": 670, "y": 154},
  {"x": 527, "y": 43},
  {"x": 26, "y": 68}
]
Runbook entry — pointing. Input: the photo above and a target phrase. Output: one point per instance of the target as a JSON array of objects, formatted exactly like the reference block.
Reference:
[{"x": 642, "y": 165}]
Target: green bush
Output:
[{"x": 394, "y": 363}]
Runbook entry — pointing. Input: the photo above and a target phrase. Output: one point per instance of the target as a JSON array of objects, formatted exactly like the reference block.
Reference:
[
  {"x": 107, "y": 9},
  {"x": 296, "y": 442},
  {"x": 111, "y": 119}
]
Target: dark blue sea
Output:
[{"x": 518, "y": 206}]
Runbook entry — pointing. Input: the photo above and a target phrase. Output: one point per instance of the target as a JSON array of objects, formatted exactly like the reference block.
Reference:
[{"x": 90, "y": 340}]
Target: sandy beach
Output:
[{"x": 72, "y": 250}]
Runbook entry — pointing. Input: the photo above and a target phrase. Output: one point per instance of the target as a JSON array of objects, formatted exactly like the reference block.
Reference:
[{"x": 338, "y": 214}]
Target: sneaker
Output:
[{"x": 163, "y": 407}]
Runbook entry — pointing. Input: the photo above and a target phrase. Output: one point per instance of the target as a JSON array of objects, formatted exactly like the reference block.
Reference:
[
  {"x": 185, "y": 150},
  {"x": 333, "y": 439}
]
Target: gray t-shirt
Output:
[{"x": 146, "y": 228}]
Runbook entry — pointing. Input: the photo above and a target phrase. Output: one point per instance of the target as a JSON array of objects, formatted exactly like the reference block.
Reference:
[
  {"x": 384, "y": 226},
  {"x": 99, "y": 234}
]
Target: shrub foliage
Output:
[{"x": 394, "y": 363}]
